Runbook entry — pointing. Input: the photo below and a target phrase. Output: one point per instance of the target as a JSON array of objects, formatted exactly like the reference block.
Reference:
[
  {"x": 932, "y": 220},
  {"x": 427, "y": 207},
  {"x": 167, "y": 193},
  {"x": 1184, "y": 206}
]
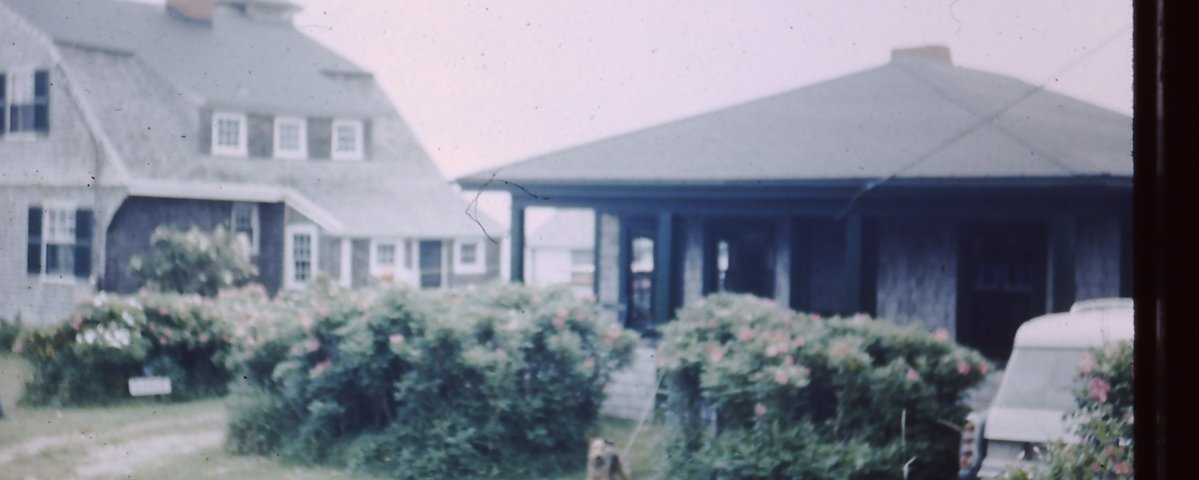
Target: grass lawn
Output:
[{"x": 154, "y": 440}]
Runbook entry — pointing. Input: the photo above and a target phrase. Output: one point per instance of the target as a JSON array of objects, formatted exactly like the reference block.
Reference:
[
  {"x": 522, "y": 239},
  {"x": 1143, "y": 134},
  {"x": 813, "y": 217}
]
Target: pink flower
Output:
[
  {"x": 162, "y": 340},
  {"x": 1098, "y": 389},
  {"x": 760, "y": 410},
  {"x": 715, "y": 353},
  {"x": 1121, "y": 469},
  {"x": 559, "y": 323},
  {"x": 589, "y": 363},
  {"x": 912, "y": 376},
  {"x": 983, "y": 367},
  {"x": 499, "y": 352},
  {"x": 789, "y": 360},
  {"x": 860, "y": 318},
  {"x": 320, "y": 368},
  {"x": 746, "y": 335},
  {"x": 772, "y": 350},
  {"x": 396, "y": 339},
  {"x": 941, "y": 334},
  {"x": 963, "y": 367},
  {"x": 781, "y": 377},
  {"x": 816, "y": 316},
  {"x": 1086, "y": 364},
  {"x": 78, "y": 323},
  {"x": 800, "y": 342},
  {"x": 18, "y": 346},
  {"x": 312, "y": 344},
  {"x": 203, "y": 338},
  {"x": 561, "y": 314}
]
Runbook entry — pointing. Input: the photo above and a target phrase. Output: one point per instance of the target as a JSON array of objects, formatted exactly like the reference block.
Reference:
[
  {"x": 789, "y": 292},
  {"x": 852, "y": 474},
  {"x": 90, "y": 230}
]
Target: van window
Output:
[{"x": 1040, "y": 378}]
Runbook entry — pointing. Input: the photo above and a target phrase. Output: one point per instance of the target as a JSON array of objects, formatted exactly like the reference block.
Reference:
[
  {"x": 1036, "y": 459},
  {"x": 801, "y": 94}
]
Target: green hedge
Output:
[
  {"x": 89, "y": 357},
  {"x": 757, "y": 391},
  {"x": 418, "y": 384}
]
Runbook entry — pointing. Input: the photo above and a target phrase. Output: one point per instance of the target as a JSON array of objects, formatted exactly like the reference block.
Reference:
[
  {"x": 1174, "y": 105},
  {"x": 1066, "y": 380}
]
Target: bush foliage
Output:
[
  {"x": 757, "y": 391},
  {"x": 193, "y": 261},
  {"x": 9, "y": 331},
  {"x": 88, "y": 358},
  {"x": 418, "y": 384},
  {"x": 1104, "y": 416}
]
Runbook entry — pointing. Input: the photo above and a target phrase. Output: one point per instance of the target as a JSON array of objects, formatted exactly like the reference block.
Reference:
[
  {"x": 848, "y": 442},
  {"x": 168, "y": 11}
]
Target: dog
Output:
[{"x": 604, "y": 463}]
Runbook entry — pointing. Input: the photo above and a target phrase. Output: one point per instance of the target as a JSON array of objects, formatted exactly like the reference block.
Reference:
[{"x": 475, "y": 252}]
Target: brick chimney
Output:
[
  {"x": 195, "y": 10},
  {"x": 928, "y": 53}
]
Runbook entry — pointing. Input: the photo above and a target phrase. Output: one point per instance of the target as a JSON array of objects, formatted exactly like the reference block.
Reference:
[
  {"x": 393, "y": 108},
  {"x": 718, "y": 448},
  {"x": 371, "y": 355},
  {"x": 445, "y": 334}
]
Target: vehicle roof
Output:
[{"x": 1093, "y": 323}]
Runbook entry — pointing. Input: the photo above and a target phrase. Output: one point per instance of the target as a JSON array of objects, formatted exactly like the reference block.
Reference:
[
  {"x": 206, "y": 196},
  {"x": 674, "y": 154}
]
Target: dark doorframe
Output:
[
  {"x": 430, "y": 264},
  {"x": 1002, "y": 282}
]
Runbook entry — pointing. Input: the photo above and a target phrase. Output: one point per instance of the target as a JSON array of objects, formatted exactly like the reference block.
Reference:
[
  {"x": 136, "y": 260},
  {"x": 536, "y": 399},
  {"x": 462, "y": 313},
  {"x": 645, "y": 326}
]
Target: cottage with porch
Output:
[{"x": 918, "y": 191}]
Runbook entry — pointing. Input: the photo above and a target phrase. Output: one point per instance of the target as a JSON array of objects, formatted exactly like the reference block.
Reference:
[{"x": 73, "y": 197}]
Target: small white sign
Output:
[{"x": 144, "y": 386}]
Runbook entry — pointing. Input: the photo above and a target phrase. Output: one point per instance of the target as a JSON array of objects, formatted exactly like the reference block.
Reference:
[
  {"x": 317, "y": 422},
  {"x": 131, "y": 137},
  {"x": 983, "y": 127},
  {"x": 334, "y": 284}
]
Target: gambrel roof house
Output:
[
  {"x": 918, "y": 190},
  {"x": 123, "y": 116}
]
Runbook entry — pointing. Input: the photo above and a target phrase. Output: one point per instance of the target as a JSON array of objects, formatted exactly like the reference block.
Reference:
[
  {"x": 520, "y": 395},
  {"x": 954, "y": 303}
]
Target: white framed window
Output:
[
  {"x": 582, "y": 266},
  {"x": 385, "y": 256},
  {"x": 24, "y": 103},
  {"x": 59, "y": 242},
  {"x": 229, "y": 134},
  {"x": 347, "y": 140},
  {"x": 470, "y": 257},
  {"x": 300, "y": 255},
  {"x": 244, "y": 224},
  {"x": 291, "y": 138}
]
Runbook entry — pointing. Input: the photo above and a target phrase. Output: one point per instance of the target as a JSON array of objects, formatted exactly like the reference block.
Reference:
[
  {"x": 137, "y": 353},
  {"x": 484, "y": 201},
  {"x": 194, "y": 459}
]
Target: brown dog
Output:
[{"x": 604, "y": 463}]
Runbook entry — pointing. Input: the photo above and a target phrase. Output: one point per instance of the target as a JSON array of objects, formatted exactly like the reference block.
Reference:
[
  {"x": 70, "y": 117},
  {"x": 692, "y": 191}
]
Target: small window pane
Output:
[
  {"x": 347, "y": 139},
  {"x": 302, "y": 253},
  {"x": 385, "y": 254},
  {"x": 228, "y": 132},
  {"x": 469, "y": 253},
  {"x": 289, "y": 136}
]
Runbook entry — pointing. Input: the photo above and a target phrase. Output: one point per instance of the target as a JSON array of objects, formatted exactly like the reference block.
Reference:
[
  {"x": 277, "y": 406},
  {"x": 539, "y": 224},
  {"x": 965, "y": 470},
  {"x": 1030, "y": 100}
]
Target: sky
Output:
[{"x": 488, "y": 83}]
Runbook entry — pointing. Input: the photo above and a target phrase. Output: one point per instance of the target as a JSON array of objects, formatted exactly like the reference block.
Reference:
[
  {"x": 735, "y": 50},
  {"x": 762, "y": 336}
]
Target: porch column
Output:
[
  {"x": 1063, "y": 233},
  {"x": 344, "y": 271},
  {"x": 693, "y": 259},
  {"x": 516, "y": 231},
  {"x": 782, "y": 262},
  {"x": 664, "y": 268},
  {"x": 853, "y": 264}
]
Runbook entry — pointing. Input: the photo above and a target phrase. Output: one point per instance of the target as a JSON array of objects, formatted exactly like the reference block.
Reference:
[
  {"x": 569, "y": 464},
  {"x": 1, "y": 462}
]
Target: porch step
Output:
[{"x": 631, "y": 391}]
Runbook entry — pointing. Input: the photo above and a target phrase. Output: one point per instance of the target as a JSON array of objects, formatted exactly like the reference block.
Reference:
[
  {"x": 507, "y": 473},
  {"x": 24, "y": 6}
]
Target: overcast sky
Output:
[{"x": 487, "y": 83}]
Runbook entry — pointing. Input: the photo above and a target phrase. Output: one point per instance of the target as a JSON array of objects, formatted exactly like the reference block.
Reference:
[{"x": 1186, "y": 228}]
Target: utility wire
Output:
[{"x": 871, "y": 185}]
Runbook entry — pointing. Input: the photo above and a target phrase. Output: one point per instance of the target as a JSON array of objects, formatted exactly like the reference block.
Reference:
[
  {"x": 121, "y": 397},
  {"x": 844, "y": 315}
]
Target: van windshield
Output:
[{"x": 1040, "y": 378}]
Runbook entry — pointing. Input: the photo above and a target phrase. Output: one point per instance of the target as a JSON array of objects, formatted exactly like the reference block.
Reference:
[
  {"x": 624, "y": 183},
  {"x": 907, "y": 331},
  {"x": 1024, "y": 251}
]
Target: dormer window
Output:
[
  {"x": 229, "y": 134},
  {"x": 24, "y": 103},
  {"x": 347, "y": 140},
  {"x": 291, "y": 137}
]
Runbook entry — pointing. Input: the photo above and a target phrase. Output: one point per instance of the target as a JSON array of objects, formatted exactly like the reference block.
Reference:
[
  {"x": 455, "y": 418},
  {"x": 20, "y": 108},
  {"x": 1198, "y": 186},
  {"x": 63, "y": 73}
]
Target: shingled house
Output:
[
  {"x": 918, "y": 191},
  {"x": 120, "y": 117}
]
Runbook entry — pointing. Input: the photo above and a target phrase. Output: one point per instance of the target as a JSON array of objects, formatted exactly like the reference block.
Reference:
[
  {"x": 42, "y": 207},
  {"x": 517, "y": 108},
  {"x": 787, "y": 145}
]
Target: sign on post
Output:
[{"x": 145, "y": 386}]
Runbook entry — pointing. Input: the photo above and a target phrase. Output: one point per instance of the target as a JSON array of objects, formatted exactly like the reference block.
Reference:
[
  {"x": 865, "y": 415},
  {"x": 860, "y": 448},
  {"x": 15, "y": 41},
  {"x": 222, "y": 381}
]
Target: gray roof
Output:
[
  {"x": 567, "y": 228},
  {"x": 902, "y": 118},
  {"x": 233, "y": 61},
  {"x": 147, "y": 102}
]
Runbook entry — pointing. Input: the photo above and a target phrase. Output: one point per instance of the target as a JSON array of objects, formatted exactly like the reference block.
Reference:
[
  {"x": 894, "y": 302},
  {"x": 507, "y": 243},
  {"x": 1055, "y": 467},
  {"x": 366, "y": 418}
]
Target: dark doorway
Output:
[
  {"x": 640, "y": 276},
  {"x": 740, "y": 257},
  {"x": 1001, "y": 283},
  {"x": 430, "y": 264}
]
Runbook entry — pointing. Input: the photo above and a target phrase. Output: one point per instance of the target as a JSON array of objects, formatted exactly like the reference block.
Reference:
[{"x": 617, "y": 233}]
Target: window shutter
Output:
[
  {"x": 3, "y": 103},
  {"x": 33, "y": 259},
  {"x": 83, "y": 242},
  {"x": 41, "y": 101}
]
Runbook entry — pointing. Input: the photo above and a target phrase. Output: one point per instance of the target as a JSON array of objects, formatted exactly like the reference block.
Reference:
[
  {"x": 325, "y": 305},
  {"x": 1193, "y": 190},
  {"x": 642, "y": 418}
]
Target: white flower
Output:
[
  {"x": 127, "y": 318},
  {"x": 135, "y": 304},
  {"x": 89, "y": 337},
  {"x": 99, "y": 300},
  {"x": 122, "y": 337}
]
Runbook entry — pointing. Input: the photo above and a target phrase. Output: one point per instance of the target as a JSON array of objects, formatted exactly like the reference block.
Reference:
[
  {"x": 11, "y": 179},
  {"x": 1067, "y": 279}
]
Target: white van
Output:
[{"x": 1038, "y": 387}]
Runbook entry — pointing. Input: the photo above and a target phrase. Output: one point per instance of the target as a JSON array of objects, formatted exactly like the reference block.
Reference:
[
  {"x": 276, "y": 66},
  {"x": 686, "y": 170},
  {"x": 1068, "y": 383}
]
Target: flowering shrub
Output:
[
  {"x": 9, "y": 331},
  {"x": 418, "y": 384},
  {"x": 193, "y": 261},
  {"x": 1104, "y": 416},
  {"x": 758, "y": 391},
  {"x": 89, "y": 357}
]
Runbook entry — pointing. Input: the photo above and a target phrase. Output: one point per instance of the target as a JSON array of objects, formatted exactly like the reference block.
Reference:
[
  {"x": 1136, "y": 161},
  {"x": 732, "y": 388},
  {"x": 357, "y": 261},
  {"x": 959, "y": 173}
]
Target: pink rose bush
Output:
[
  {"x": 379, "y": 379},
  {"x": 756, "y": 390}
]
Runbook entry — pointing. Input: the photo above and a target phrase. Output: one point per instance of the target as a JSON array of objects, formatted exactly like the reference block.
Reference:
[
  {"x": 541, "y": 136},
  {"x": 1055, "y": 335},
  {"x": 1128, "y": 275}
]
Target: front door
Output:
[
  {"x": 1001, "y": 284},
  {"x": 430, "y": 264}
]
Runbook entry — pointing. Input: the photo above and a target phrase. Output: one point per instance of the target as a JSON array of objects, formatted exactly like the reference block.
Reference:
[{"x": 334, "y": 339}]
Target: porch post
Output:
[
  {"x": 693, "y": 259},
  {"x": 664, "y": 268},
  {"x": 1062, "y": 242},
  {"x": 517, "y": 232},
  {"x": 853, "y": 264},
  {"x": 782, "y": 262}
]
